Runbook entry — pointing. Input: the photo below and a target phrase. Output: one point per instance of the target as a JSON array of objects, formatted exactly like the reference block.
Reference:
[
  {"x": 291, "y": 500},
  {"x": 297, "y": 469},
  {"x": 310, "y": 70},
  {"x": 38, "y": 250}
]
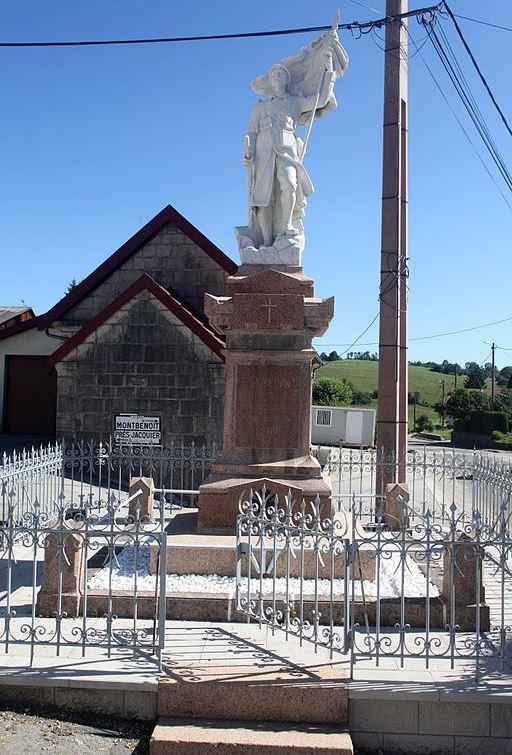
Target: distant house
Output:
[
  {"x": 130, "y": 339},
  {"x": 10, "y": 316}
]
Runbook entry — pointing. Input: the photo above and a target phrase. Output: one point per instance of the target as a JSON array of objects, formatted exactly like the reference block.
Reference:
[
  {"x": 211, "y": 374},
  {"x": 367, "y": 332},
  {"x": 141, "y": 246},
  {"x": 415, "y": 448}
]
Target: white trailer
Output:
[{"x": 342, "y": 425}]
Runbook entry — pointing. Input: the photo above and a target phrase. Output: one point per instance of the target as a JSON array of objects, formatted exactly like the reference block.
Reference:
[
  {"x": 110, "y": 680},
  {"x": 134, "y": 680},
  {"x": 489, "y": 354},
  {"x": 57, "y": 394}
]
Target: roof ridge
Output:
[
  {"x": 144, "y": 282},
  {"x": 168, "y": 215}
]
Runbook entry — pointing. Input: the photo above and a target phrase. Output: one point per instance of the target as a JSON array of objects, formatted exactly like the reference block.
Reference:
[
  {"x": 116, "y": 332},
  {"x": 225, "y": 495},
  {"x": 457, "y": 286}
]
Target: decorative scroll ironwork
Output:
[
  {"x": 432, "y": 588},
  {"x": 49, "y": 556}
]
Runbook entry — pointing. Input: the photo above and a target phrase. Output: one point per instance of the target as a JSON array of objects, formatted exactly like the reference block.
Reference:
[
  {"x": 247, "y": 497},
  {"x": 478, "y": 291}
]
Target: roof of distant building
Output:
[{"x": 8, "y": 313}]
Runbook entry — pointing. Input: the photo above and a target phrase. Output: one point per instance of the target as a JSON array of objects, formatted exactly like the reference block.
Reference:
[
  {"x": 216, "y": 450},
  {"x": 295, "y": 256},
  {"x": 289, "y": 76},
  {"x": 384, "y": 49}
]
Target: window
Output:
[{"x": 324, "y": 417}]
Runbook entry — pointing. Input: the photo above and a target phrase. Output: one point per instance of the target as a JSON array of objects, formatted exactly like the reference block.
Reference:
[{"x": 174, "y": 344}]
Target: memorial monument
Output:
[{"x": 271, "y": 314}]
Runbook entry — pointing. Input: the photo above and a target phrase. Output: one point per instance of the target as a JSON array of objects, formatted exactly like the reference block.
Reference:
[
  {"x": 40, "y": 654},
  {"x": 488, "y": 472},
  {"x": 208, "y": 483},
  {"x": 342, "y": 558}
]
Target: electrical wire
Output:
[
  {"x": 480, "y": 21},
  {"x": 477, "y": 67},
  {"x": 360, "y": 335},
  {"x": 368, "y": 7},
  {"x": 436, "y": 335},
  {"x": 459, "y": 122},
  {"x": 467, "y": 101},
  {"x": 363, "y": 27}
]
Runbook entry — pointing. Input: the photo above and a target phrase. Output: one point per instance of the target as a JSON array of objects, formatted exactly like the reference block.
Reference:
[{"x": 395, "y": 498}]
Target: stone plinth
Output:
[
  {"x": 463, "y": 583},
  {"x": 144, "y": 501},
  {"x": 269, "y": 320},
  {"x": 396, "y": 513},
  {"x": 63, "y": 571}
]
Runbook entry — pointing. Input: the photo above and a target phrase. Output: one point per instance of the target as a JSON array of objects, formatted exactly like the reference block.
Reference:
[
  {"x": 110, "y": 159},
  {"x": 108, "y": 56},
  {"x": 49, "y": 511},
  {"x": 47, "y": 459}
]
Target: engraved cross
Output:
[{"x": 269, "y": 307}]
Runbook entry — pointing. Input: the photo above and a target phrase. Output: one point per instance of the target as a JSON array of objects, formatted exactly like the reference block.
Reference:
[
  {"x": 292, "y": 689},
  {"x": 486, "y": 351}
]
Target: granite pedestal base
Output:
[
  {"x": 221, "y": 497},
  {"x": 269, "y": 320}
]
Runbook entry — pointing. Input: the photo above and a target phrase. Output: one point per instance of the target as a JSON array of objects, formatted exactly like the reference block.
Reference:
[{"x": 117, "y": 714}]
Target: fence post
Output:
[
  {"x": 463, "y": 590},
  {"x": 64, "y": 565},
  {"x": 143, "y": 502},
  {"x": 396, "y": 514}
]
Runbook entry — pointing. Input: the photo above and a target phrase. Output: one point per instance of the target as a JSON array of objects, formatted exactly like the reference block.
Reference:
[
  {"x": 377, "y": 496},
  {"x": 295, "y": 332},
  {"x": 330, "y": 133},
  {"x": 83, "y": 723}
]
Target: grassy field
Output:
[{"x": 363, "y": 376}]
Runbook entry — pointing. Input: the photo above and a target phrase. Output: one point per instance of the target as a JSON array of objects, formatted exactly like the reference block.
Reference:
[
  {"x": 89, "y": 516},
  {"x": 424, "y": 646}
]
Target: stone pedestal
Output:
[
  {"x": 144, "y": 501},
  {"x": 463, "y": 588},
  {"x": 269, "y": 320},
  {"x": 396, "y": 514},
  {"x": 63, "y": 571}
]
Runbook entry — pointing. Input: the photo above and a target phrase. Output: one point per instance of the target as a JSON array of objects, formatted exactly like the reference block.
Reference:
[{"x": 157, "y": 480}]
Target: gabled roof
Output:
[
  {"x": 13, "y": 330},
  {"x": 130, "y": 247},
  {"x": 169, "y": 299},
  {"x": 11, "y": 313}
]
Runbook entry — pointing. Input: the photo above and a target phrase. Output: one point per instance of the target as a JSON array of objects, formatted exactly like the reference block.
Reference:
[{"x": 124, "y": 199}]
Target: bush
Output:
[
  {"x": 483, "y": 423},
  {"x": 501, "y": 438},
  {"x": 332, "y": 392},
  {"x": 360, "y": 398},
  {"x": 424, "y": 424},
  {"x": 462, "y": 403}
]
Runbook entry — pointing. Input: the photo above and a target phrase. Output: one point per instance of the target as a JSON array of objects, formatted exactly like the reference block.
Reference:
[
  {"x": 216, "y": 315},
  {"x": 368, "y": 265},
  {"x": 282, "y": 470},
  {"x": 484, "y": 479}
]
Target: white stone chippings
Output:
[{"x": 123, "y": 578}]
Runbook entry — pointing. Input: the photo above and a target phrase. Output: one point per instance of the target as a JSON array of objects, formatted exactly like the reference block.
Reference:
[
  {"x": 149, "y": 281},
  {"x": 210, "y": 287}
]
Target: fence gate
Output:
[{"x": 293, "y": 568}]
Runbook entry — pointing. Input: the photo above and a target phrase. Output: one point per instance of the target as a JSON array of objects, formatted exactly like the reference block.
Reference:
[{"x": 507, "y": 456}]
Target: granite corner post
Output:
[{"x": 269, "y": 320}]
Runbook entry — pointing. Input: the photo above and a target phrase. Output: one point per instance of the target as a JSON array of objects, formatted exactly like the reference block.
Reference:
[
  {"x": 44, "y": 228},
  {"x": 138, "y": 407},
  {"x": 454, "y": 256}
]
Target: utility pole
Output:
[
  {"x": 392, "y": 415},
  {"x": 456, "y": 368},
  {"x": 493, "y": 349},
  {"x": 441, "y": 383}
]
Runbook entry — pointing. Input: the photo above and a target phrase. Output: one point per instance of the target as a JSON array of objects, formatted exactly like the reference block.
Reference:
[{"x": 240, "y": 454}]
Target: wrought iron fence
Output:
[
  {"x": 82, "y": 553},
  {"x": 424, "y": 590},
  {"x": 81, "y": 577},
  {"x": 31, "y": 473},
  {"x": 436, "y": 479},
  {"x": 92, "y": 471}
]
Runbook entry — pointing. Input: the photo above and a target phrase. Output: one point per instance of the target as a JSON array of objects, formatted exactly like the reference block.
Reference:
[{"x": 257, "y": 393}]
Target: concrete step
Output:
[
  {"x": 224, "y": 737},
  {"x": 311, "y": 696}
]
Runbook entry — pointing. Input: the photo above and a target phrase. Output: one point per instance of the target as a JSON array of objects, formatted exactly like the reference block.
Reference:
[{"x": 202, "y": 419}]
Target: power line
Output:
[
  {"x": 464, "y": 131},
  {"x": 480, "y": 21},
  {"x": 469, "y": 102},
  {"x": 477, "y": 67},
  {"x": 368, "y": 7},
  {"x": 435, "y": 335},
  {"x": 360, "y": 335},
  {"x": 364, "y": 27}
]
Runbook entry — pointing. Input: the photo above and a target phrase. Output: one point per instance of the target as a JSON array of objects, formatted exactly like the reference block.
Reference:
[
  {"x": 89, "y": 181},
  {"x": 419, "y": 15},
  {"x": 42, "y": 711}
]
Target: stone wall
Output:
[
  {"x": 172, "y": 259},
  {"x": 143, "y": 360}
]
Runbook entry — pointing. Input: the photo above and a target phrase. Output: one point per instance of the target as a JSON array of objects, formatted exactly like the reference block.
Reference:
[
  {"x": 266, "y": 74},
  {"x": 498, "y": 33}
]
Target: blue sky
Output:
[{"x": 95, "y": 141}]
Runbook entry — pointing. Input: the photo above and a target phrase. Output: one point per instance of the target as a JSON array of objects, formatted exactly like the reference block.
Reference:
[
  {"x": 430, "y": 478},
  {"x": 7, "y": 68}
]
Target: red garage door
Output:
[{"x": 31, "y": 396}]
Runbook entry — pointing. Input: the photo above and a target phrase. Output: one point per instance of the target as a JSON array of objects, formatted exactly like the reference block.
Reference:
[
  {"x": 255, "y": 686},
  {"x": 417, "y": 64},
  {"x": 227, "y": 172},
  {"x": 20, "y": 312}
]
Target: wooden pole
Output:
[{"x": 392, "y": 414}]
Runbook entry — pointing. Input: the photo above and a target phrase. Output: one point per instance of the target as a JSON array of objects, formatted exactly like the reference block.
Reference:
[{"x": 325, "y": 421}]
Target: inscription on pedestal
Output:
[{"x": 270, "y": 396}]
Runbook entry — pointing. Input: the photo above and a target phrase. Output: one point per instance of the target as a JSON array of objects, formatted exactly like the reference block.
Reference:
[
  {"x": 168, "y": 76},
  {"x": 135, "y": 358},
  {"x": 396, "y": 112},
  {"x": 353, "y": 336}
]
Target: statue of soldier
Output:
[{"x": 297, "y": 90}]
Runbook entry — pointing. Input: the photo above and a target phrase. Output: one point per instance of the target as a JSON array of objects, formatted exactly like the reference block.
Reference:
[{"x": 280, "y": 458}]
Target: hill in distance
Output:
[{"x": 364, "y": 375}]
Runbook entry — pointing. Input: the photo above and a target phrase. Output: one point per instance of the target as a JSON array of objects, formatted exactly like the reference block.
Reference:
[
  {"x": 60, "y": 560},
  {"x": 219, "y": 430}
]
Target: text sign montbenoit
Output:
[{"x": 137, "y": 430}]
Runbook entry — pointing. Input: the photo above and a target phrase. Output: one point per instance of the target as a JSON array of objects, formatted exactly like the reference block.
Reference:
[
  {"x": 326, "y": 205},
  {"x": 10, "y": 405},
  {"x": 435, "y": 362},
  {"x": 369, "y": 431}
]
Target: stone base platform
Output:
[
  {"x": 193, "y": 552},
  {"x": 220, "y": 496}
]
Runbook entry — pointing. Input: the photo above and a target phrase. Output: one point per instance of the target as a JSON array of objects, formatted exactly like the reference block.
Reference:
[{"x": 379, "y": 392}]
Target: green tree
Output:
[
  {"x": 503, "y": 402},
  {"x": 476, "y": 376},
  {"x": 333, "y": 356},
  {"x": 424, "y": 424},
  {"x": 71, "y": 286},
  {"x": 332, "y": 392},
  {"x": 461, "y": 403}
]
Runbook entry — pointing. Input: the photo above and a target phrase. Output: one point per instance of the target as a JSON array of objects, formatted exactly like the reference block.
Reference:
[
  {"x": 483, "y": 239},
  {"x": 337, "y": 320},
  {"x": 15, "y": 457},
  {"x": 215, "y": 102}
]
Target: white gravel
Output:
[{"x": 121, "y": 575}]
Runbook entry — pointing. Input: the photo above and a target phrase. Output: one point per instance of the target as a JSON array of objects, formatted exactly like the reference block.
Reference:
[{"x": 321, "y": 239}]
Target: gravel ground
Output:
[{"x": 30, "y": 733}]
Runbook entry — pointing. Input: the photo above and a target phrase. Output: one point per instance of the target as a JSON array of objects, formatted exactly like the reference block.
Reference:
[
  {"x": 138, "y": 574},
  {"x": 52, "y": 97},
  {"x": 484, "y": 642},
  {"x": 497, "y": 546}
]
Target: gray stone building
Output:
[{"x": 131, "y": 338}]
